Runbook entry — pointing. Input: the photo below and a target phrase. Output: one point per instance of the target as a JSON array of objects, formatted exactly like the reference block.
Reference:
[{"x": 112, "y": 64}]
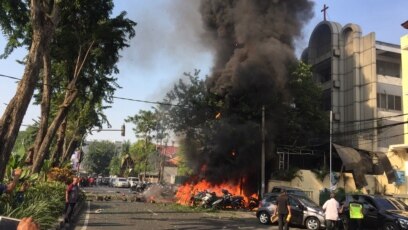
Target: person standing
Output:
[
  {"x": 71, "y": 198},
  {"x": 331, "y": 208},
  {"x": 8, "y": 188},
  {"x": 283, "y": 210}
]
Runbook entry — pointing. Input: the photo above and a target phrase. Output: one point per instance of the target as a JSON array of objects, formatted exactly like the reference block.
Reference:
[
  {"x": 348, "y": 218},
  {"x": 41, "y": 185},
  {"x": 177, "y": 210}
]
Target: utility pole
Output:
[
  {"x": 263, "y": 153},
  {"x": 330, "y": 148}
]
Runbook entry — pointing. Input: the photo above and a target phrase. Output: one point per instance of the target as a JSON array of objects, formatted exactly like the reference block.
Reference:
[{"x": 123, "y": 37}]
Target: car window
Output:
[
  {"x": 385, "y": 204},
  {"x": 276, "y": 190},
  {"x": 293, "y": 202},
  {"x": 297, "y": 192},
  {"x": 367, "y": 202},
  {"x": 399, "y": 204},
  {"x": 308, "y": 202},
  {"x": 271, "y": 199}
]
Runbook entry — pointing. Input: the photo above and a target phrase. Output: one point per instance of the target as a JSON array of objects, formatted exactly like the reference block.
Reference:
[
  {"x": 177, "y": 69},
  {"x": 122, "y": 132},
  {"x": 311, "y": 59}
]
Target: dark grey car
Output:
[{"x": 304, "y": 211}]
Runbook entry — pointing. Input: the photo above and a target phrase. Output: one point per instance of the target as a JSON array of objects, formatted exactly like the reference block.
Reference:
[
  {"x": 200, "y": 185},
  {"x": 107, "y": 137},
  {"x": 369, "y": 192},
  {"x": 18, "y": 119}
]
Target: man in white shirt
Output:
[{"x": 331, "y": 208}]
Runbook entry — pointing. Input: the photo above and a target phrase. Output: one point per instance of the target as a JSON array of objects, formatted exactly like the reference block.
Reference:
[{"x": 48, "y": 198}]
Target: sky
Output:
[{"x": 168, "y": 43}]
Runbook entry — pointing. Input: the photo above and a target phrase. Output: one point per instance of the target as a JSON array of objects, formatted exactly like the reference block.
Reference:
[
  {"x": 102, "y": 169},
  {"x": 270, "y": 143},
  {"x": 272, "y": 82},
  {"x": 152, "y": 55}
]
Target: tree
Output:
[
  {"x": 146, "y": 123},
  {"x": 86, "y": 49},
  {"x": 43, "y": 18},
  {"x": 140, "y": 154},
  {"x": 99, "y": 156},
  {"x": 306, "y": 121}
]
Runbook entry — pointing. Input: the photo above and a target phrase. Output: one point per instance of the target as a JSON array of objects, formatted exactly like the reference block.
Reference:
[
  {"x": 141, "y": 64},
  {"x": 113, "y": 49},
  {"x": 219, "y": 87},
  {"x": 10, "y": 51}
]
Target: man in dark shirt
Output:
[
  {"x": 10, "y": 186},
  {"x": 283, "y": 210},
  {"x": 71, "y": 198}
]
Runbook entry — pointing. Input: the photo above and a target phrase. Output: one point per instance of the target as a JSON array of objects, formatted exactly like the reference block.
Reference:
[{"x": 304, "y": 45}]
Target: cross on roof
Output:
[{"x": 324, "y": 10}]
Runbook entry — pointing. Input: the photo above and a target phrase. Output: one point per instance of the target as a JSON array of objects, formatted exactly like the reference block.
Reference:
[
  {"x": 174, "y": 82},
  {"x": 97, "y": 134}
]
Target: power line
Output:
[
  {"x": 121, "y": 98},
  {"x": 144, "y": 101},
  {"x": 6, "y": 76}
]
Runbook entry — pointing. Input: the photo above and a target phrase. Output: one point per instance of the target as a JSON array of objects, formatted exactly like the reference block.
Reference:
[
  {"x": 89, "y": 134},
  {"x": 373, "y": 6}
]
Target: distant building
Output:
[
  {"x": 362, "y": 84},
  {"x": 168, "y": 164}
]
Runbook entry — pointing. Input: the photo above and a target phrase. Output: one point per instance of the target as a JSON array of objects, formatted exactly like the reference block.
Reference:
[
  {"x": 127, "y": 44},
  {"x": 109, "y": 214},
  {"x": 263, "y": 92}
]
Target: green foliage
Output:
[
  {"x": 25, "y": 139},
  {"x": 17, "y": 161},
  {"x": 44, "y": 201},
  {"x": 183, "y": 168},
  {"x": 114, "y": 166},
  {"x": 305, "y": 120},
  {"x": 320, "y": 174},
  {"x": 288, "y": 175},
  {"x": 146, "y": 123},
  {"x": 99, "y": 156},
  {"x": 141, "y": 153}
]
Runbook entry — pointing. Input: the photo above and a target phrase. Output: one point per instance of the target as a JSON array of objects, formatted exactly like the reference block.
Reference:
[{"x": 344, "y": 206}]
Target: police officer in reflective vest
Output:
[{"x": 356, "y": 215}]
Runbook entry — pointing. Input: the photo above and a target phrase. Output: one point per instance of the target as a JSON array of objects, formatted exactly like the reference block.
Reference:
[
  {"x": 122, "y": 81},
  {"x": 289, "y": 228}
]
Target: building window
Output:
[
  {"x": 398, "y": 103},
  {"x": 389, "y": 102},
  {"x": 388, "y": 69}
]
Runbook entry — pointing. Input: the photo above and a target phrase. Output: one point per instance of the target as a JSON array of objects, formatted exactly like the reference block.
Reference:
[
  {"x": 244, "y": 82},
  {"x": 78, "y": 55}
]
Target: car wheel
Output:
[
  {"x": 390, "y": 226},
  {"x": 312, "y": 223},
  {"x": 264, "y": 217}
]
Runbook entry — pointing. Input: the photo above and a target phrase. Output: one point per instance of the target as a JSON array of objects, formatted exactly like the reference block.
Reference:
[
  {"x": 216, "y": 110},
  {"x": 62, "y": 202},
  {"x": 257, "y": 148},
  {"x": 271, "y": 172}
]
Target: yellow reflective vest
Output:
[{"x": 356, "y": 211}]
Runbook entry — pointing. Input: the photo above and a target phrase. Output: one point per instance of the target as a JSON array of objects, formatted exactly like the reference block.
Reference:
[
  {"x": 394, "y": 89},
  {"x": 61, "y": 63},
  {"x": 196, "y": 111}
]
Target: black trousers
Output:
[
  {"x": 331, "y": 224},
  {"x": 69, "y": 209},
  {"x": 282, "y": 222},
  {"x": 355, "y": 224}
]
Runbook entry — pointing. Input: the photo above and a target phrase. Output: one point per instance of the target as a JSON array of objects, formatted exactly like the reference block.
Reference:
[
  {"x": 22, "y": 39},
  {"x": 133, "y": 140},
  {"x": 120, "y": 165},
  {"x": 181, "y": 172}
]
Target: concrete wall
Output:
[
  {"x": 312, "y": 186},
  {"x": 169, "y": 174},
  {"x": 404, "y": 71}
]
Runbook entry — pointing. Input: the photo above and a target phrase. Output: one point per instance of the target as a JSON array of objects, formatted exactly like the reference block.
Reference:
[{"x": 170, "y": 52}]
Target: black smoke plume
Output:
[{"x": 254, "y": 45}]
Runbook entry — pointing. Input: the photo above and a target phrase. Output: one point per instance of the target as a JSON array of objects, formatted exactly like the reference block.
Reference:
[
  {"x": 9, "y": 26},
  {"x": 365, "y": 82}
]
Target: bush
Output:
[
  {"x": 44, "y": 202},
  {"x": 63, "y": 175}
]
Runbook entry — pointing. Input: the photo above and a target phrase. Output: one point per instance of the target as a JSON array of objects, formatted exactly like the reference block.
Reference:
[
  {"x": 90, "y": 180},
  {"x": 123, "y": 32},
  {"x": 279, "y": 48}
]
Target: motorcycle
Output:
[
  {"x": 139, "y": 187},
  {"x": 208, "y": 199},
  {"x": 253, "y": 203},
  {"x": 228, "y": 200},
  {"x": 196, "y": 199}
]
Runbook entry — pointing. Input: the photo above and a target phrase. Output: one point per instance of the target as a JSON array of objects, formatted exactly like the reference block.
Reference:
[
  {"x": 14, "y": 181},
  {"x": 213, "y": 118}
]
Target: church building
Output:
[{"x": 362, "y": 85}]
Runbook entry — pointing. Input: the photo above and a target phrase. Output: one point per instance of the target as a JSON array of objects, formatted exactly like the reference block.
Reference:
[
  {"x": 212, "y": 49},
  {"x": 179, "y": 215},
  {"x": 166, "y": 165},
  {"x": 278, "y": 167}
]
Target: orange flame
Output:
[{"x": 186, "y": 191}]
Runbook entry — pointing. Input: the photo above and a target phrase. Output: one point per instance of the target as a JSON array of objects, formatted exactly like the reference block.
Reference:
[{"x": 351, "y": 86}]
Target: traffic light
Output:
[{"x": 123, "y": 130}]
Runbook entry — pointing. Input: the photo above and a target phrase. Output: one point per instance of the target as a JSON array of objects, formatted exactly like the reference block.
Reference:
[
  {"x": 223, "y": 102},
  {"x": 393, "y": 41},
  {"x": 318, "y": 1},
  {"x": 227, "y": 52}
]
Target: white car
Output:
[
  {"x": 133, "y": 181},
  {"x": 121, "y": 182}
]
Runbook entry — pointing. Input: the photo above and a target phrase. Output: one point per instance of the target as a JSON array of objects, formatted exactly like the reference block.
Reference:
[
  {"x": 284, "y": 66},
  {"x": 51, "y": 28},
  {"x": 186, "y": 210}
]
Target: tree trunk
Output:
[
  {"x": 10, "y": 122},
  {"x": 60, "y": 144},
  {"x": 59, "y": 118},
  {"x": 70, "y": 149},
  {"x": 70, "y": 96},
  {"x": 45, "y": 102}
]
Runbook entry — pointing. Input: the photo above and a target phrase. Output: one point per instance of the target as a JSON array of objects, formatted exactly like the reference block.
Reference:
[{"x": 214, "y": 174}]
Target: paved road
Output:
[{"x": 125, "y": 215}]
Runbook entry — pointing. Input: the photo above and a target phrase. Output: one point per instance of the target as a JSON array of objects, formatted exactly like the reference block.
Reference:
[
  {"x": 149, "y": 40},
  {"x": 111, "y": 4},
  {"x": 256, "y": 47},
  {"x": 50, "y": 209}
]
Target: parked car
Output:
[
  {"x": 380, "y": 212},
  {"x": 289, "y": 190},
  {"x": 133, "y": 181},
  {"x": 304, "y": 211},
  {"x": 121, "y": 182}
]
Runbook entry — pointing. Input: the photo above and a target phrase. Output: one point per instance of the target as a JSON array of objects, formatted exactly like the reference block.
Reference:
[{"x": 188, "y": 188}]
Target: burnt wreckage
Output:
[
  {"x": 344, "y": 159},
  {"x": 361, "y": 162}
]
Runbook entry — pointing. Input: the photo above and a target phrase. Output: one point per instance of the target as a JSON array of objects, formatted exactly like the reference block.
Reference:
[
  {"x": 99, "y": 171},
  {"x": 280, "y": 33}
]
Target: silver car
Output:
[{"x": 304, "y": 211}]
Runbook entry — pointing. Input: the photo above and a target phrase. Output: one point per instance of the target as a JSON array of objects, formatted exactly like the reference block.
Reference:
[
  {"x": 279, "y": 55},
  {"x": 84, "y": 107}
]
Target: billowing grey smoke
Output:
[{"x": 254, "y": 47}]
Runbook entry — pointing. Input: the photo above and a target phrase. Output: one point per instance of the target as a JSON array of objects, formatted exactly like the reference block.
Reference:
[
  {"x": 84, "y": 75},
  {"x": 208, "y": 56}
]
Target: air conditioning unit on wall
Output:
[
  {"x": 336, "y": 52},
  {"x": 336, "y": 84}
]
